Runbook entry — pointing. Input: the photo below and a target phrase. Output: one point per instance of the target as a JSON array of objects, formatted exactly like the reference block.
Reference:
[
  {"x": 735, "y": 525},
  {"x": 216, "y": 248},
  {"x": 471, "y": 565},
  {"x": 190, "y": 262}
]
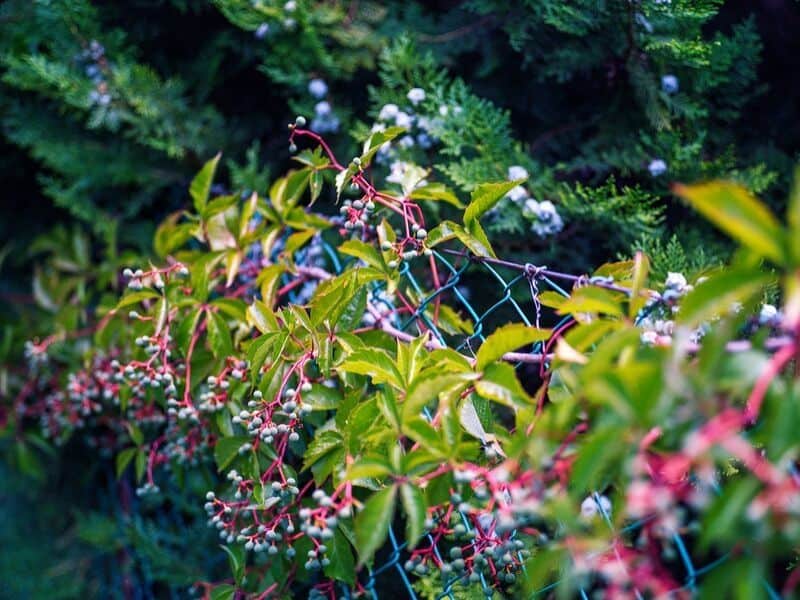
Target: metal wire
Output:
[{"x": 513, "y": 296}]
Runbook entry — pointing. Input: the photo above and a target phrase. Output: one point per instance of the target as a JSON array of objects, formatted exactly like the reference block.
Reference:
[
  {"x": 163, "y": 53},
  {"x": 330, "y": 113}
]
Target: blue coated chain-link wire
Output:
[{"x": 513, "y": 296}]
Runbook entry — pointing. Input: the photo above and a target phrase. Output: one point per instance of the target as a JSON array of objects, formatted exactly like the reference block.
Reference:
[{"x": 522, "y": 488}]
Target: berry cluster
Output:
[
  {"x": 280, "y": 518},
  {"x": 288, "y": 20},
  {"x": 96, "y": 66},
  {"x": 356, "y": 213},
  {"x": 542, "y": 215}
]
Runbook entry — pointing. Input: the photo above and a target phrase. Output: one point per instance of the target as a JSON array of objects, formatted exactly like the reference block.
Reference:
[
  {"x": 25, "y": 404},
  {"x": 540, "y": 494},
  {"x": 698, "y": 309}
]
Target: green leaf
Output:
[
  {"x": 470, "y": 421},
  {"x": 324, "y": 442},
  {"x": 137, "y": 437},
  {"x": 219, "y": 336},
  {"x": 793, "y": 218},
  {"x": 267, "y": 281},
  {"x": 450, "y": 321},
  {"x": 186, "y": 328},
  {"x": 416, "y": 510},
  {"x": 201, "y": 184},
  {"x": 641, "y": 268},
  {"x": 500, "y": 384},
  {"x": 201, "y": 272},
  {"x": 364, "y": 251},
  {"x": 136, "y": 298},
  {"x": 739, "y": 214},
  {"x": 373, "y": 522},
  {"x": 717, "y": 295},
  {"x": 436, "y": 192},
  {"x": 237, "y": 560},
  {"x": 170, "y": 235},
  {"x": 124, "y": 458},
  {"x": 448, "y": 230},
  {"x": 322, "y": 397},
  {"x": 233, "y": 260},
  {"x": 227, "y": 449},
  {"x": 235, "y": 308},
  {"x": 600, "y": 452},
  {"x": 219, "y": 205},
  {"x": 140, "y": 464},
  {"x": 478, "y": 236},
  {"x": 297, "y": 240},
  {"x": 430, "y": 387},
  {"x": 343, "y": 565},
  {"x": 343, "y": 178},
  {"x": 161, "y": 315},
  {"x": 507, "y": 339},
  {"x": 315, "y": 185},
  {"x": 728, "y": 512},
  {"x": 376, "y": 468},
  {"x": 410, "y": 357},
  {"x": 375, "y": 363},
  {"x": 592, "y": 299},
  {"x": 286, "y": 191},
  {"x": 419, "y": 430},
  {"x": 375, "y": 141},
  {"x": 485, "y": 196},
  {"x": 258, "y": 350},
  {"x": 260, "y": 316},
  {"x": 224, "y": 591}
]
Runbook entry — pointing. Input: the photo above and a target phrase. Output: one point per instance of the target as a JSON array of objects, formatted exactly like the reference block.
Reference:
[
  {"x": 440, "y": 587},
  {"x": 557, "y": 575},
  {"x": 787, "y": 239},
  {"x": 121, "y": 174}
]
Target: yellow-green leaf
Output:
[
  {"x": 719, "y": 293},
  {"x": 507, "y": 339},
  {"x": 739, "y": 214},
  {"x": 201, "y": 184},
  {"x": 485, "y": 196},
  {"x": 592, "y": 299}
]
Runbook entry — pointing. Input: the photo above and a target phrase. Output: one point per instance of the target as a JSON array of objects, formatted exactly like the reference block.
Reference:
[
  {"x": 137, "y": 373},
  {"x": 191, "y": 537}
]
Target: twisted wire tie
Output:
[{"x": 534, "y": 272}]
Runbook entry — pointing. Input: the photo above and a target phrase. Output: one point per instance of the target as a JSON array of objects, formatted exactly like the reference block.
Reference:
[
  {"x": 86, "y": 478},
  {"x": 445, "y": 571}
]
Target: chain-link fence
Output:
[{"x": 493, "y": 292}]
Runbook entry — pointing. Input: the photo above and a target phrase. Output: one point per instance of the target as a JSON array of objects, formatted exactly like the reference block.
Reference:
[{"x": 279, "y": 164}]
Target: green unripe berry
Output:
[{"x": 300, "y": 121}]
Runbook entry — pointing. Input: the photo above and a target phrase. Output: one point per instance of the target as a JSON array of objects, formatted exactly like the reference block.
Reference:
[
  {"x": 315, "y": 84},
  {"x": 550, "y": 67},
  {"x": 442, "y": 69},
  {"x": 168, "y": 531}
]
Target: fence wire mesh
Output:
[
  {"x": 490, "y": 292},
  {"x": 512, "y": 296}
]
